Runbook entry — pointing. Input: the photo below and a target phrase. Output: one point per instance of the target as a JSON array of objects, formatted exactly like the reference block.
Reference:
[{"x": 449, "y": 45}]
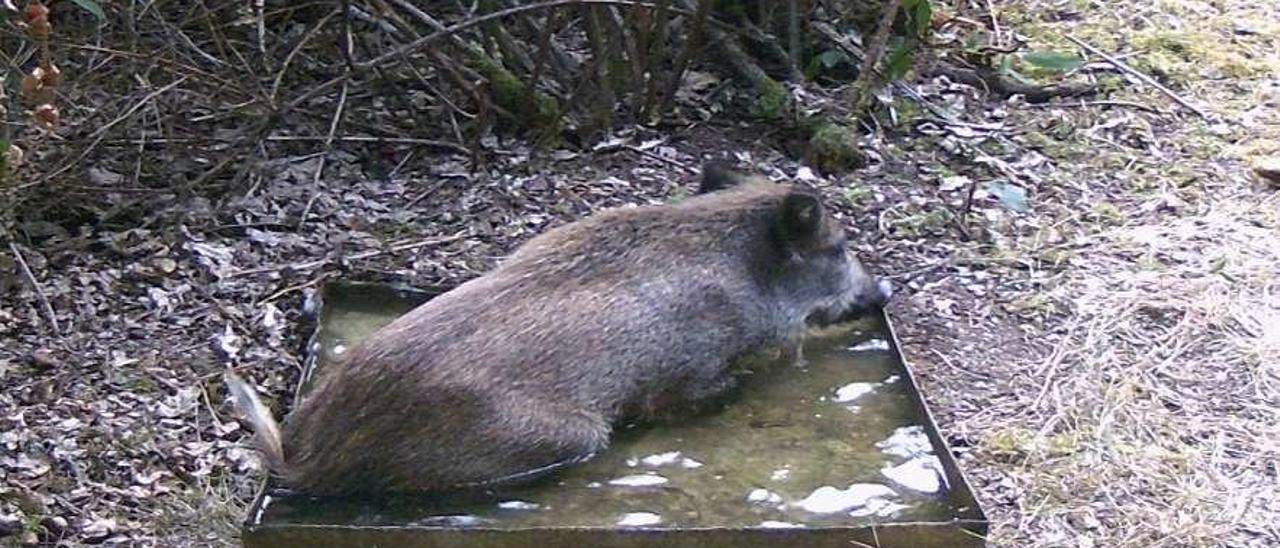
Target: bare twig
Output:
[
  {"x": 994, "y": 82},
  {"x": 793, "y": 36},
  {"x": 291, "y": 289},
  {"x": 357, "y": 257},
  {"x": 1101, "y": 103},
  {"x": 875, "y": 49},
  {"x": 328, "y": 148},
  {"x": 1139, "y": 75},
  {"x": 102, "y": 131},
  {"x": 420, "y": 42},
  {"x": 673, "y": 163},
  {"x": 288, "y": 59},
  {"x": 995, "y": 24},
  {"x": 694, "y": 38},
  {"x": 433, "y": 143},
  {"x": 45, "y": 307}
]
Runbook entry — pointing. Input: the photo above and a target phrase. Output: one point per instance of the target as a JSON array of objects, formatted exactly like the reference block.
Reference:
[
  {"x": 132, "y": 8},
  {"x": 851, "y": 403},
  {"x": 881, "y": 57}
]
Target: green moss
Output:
[
  {"x": 1053, "y": 144},
  {"x": 533, "y": 110},
  {"x": 1106, "y": 212},
  {"x": 908, "y": 111},
  {"x": 1186, "y": 53},
  {"x": 1056, "y": 256},
  {"x": 1008, "y": 443},
  {"x": 1035, "y": 304},
  {"x": 1110, "y": 83},
  {"x": 857, "y": 195},
  {"x": 833, "y": 148},
  {"x": 1062, "y": 444},
  {"x": 771, "y": 100}
]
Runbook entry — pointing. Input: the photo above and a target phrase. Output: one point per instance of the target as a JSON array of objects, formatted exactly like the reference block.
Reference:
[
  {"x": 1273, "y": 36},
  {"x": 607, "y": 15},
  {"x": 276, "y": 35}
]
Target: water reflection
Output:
[{"x": 518, "y": 505}]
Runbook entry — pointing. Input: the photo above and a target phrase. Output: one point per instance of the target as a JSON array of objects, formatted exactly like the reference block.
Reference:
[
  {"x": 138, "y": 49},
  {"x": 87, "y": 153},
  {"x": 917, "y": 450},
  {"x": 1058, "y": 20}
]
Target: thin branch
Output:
[
  {"x": 875, "y": 49},
  {"x": 102, "y": 131},
  {"x": 420, "y": 42},
  {"x": 300, "y": 138},
  {"x": 328, "y": 148},
  {"x": 288, "y": 58},
  {"x": 357, "y": 257},
  {"x": 1102, "y": 103},
  {"x": 1136, "y": 74},
  {"x": 45, "y": 307}
]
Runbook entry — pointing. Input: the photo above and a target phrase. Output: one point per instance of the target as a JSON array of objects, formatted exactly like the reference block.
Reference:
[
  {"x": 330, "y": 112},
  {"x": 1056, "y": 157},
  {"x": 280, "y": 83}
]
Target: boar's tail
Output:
[{"x": 259, "y": 417}]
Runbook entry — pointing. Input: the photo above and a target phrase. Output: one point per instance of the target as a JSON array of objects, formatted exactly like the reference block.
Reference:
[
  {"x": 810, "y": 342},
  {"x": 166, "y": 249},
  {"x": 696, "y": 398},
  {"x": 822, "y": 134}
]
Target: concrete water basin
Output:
[{"x": 837, "y": 452}]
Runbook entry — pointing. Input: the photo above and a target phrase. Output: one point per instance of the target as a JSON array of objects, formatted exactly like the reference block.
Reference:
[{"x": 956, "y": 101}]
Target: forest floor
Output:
[{"x": 1105, "y": 361}]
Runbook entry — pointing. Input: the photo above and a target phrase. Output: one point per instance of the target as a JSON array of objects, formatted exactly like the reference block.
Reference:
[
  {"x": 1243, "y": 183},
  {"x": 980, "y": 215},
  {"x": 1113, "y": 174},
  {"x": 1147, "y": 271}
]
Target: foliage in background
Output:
[{"x": 220, "y": 87}]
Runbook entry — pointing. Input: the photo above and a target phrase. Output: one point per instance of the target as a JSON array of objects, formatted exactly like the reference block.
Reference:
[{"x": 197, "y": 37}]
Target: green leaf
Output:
[
  {"x": 831, "y": 58},
  {"x": 1012, "y": 196},
  {"x": 922, "y": 15},
  {"x": 898, "y": 62},
  {"x": 1004, "y": 66},
  {"x": 976, "y": 40},
  {"x": 1055, "y": 61},
  {"x": 93, "y": 7}
]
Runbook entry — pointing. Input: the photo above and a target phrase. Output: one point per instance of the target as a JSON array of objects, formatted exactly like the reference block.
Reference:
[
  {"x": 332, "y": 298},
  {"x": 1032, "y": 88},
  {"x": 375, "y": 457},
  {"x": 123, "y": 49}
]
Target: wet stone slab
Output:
[{"x": 839, "y": 449}]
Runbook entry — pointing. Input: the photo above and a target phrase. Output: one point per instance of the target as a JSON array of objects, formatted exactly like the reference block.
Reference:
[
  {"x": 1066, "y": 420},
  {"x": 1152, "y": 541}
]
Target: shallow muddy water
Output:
[{"x": 838, "y": 442}]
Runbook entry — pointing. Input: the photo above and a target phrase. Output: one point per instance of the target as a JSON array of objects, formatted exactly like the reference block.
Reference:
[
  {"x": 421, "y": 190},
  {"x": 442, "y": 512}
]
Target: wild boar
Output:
[{"x": 630, "y": 313}]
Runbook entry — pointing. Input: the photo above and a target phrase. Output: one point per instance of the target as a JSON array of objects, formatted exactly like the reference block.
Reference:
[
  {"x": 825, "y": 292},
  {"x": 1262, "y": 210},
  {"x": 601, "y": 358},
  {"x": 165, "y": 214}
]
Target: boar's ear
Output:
[
  {"x": 801, "y": 215},
  {"x": 718, "y": 175}
]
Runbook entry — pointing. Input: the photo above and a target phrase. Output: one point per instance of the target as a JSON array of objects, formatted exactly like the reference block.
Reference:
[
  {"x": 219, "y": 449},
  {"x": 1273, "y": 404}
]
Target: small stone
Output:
[
  {"x": 10, "y": 524},
  {"x": 43, "y": 357},
  {"x": 1268, "y": 169},
  {"x": 98, "y": 529},
  {"x": 165, "y": 265},
  {"x": 55, "y": 525}
]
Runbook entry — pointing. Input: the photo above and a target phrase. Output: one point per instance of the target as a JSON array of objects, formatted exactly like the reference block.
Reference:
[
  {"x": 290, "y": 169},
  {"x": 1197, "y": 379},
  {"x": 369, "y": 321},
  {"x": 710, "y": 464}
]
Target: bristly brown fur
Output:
[{"x": 628, "y": 313}]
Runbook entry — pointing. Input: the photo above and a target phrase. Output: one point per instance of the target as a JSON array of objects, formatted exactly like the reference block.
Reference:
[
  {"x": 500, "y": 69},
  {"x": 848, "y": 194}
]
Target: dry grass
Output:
[
  {"x": 1157, "y": 423},
  {"x": 1152, "y": 417}
]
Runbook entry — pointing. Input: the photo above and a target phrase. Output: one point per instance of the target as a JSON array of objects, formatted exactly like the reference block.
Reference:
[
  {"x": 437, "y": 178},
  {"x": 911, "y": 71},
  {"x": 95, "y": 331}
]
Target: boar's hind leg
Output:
[
  {"x": 538, "y": 437},
  {"x": 693, "y": 394}
]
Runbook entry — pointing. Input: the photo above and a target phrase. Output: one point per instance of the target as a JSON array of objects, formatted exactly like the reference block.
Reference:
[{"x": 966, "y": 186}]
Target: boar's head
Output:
[
  {"x": 813, "y": 272},
  {"x": 819, "y": 273}
]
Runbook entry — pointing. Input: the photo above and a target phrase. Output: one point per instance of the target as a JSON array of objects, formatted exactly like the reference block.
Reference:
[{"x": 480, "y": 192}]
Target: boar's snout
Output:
[
  {"x": 873, "y": 296},
  {"x": 884, "y": 292},
  {"x": 868, "y": 296}
]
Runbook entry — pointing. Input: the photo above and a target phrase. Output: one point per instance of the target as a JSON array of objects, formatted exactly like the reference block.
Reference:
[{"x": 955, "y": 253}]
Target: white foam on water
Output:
[
  {"x": 780, "y": 525},
  {"x": 907, "y": 442},
  {"x": 518, "y": 505},
  {"x": 878, "y": 507},
  {"x": 638, "y": 480},
  {"x": 870, "y": 345},
  {"x": 829, "y": 500},
  {"x": 639, "y": 519},
  {"x": 763, "y": 496},
  {"x": 853, "y": 391},
  {"x": 923, "y": 474},
  {"x": 661, "y": 459}
]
